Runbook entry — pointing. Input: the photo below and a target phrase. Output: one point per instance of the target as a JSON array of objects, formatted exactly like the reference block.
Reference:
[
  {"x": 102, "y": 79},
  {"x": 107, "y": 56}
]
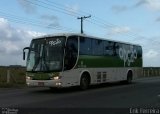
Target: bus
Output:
[{"x": 69, "y": 59}]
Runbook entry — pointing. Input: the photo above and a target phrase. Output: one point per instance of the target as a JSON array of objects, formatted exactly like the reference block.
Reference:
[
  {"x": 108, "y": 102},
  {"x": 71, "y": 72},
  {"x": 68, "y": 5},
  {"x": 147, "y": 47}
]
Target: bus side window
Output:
[
  {"x": 111, "y": 48},
  {"x": 108, "y": 48},
  {"x": 71, "y": 52},
  {"x": 85, "y": 46},
  {"x": 97, "y": 47}
]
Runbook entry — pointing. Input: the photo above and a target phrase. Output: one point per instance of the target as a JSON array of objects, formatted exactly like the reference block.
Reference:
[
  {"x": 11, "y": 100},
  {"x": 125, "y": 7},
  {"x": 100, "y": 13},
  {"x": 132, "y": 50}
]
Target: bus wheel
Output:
[
  {"x": 85, "y": 80},
  {"x": 129, "y": 77}
]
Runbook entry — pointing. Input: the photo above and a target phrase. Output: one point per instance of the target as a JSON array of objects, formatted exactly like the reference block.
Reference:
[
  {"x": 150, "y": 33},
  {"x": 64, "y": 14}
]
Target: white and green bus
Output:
[{"x": 66, "y": 60}]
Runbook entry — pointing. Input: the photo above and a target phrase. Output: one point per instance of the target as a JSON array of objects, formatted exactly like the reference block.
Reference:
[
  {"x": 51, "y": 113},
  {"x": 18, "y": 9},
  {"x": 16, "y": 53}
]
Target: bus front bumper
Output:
[{"x": 44, "y": 83}]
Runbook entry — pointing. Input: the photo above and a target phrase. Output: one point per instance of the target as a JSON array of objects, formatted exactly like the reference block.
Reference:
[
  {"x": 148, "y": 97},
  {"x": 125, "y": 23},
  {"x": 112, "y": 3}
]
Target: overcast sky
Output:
[{"x": 135, "y": 21}]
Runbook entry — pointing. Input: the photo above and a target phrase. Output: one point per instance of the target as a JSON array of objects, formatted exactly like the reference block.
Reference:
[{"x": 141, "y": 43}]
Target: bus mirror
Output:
[{"x": 24, "y": 55}]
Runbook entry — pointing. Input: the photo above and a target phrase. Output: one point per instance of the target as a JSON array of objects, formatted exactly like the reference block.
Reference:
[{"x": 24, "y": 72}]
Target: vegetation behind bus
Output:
[
  {"x": 18, "y": 78},
  {"x": 16, "y": 73}
]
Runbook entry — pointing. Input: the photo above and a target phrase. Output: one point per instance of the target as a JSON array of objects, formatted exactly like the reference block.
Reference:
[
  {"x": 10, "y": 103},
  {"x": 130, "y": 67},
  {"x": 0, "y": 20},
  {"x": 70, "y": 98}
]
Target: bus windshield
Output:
[{"x": 46, "y": 54}]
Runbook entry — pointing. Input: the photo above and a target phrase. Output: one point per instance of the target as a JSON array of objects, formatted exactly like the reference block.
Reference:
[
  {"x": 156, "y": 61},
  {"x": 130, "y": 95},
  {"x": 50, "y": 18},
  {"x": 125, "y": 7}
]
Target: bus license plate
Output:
[{"x": 40, "y": 83}]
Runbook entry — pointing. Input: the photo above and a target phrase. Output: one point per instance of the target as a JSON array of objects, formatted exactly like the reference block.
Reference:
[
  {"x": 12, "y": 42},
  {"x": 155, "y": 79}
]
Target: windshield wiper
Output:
[{"x": 37, "y": 60}]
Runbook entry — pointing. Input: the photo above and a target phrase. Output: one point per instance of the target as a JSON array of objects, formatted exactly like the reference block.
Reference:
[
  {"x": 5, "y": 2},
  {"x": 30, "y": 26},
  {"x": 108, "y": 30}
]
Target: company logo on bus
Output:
[
  {"x": 56, "y": 42},
  {"x": 128, "y": 55}
]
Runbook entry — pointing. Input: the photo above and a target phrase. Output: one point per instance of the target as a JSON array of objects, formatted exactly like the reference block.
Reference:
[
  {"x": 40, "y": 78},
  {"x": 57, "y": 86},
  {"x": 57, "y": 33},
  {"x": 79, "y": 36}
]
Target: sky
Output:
[{"x": 134, "y": 21}]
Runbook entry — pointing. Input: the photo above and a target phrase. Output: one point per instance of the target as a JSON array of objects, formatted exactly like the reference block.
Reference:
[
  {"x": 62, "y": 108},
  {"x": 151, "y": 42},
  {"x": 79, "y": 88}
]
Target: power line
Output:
[
  {"x": 45, "y": 5},
  {"x": 71, "y": 9},
  {"x": 58, "y": 9},
  {"x": 61, "y": 9},
  {"x": 95, "y": 20},
  {"x": 38, "y": 23}
]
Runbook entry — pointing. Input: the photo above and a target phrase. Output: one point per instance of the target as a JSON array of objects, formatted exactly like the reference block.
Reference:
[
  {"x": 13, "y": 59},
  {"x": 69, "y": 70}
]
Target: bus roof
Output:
[{"x": 84, "y": 35}]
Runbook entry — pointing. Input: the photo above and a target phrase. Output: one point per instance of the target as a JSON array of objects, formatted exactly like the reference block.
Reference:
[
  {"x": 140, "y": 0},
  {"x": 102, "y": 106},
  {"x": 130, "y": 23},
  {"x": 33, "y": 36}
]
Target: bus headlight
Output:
[
  {"x": 56, "y": 78},
  {"x": 28, "y": 78}
]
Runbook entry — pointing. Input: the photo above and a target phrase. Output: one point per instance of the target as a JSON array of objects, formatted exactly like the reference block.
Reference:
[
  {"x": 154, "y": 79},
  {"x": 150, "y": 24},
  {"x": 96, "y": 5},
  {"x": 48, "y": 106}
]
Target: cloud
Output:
[
  {"x": 49, "y": 17},
  {"x": 119, "y": 9},
  {"x": 34, "y": 34},
  {"x": 50, "y": 20},
  {"x": 72, "y": 9},
  {"x": 8, "y": 47},
  {"x": 12, "y": 42},
  {"x": 7, "y": 32},
  {"x": 119, "y": 30},
  {"x": 151, "y": 54},
  {"x": 28, "y": 5},
  {"x": 158, "y": 19},
  {"x": 141, "y": 2},
  {"x": 151, "y": 51},
  {"x": 151, "y": 58},
  {"x": 153, "y": 5},
  {"x": 150, "y": 4}
]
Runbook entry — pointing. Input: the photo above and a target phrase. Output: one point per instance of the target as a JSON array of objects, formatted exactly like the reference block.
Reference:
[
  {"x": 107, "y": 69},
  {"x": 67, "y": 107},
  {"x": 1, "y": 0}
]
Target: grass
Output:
[{"x": 17, "y": 77}]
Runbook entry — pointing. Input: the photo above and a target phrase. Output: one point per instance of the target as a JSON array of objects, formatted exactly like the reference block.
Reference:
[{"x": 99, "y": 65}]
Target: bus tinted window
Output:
[
  {"x": 85, "y": 46},
  {"x": 111, "y": 48},
  {"x": 71, "y": 52},
  {"x": 97, "y": 47},
  {"x": 139, "y": 51}
]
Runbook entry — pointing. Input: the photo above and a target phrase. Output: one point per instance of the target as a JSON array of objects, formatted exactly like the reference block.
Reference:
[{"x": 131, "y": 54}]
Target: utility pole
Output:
[{"x": 82, "y": 18}]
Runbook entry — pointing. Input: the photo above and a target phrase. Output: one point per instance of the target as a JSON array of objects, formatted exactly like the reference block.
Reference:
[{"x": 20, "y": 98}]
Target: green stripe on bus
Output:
[{"x": 105, "y": 61}]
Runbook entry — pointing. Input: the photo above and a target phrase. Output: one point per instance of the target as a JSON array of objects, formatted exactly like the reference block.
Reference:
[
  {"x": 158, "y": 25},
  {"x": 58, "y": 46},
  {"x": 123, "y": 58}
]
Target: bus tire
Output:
[
  {"x": 129, "y": 77},
  {"x": 85, "y": 81}
]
